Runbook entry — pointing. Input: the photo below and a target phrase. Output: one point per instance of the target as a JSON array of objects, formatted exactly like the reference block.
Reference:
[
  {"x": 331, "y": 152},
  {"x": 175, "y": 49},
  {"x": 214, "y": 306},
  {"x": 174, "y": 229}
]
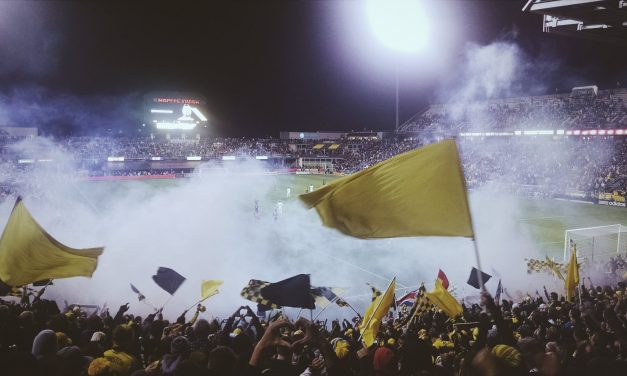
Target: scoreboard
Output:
[{"x": 175, "y": 111}]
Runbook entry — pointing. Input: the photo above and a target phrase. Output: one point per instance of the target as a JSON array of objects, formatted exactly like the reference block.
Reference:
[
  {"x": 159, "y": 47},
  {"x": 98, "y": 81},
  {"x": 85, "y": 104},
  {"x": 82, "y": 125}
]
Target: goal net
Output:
[{"x": 600, "y": 242}]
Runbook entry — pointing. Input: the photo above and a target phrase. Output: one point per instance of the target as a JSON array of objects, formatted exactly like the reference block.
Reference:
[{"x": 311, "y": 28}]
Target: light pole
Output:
[{"x": 400, "y": 25}]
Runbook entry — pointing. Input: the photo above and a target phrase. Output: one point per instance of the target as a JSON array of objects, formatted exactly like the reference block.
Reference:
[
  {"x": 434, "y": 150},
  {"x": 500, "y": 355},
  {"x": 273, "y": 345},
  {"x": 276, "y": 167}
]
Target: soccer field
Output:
[{"x": 544, "y": 220}]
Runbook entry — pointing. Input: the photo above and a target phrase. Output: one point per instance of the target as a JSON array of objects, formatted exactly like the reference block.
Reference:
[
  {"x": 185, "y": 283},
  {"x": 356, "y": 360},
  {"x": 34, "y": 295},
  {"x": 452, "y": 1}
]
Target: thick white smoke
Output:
[{"x": 204, "y": 228}]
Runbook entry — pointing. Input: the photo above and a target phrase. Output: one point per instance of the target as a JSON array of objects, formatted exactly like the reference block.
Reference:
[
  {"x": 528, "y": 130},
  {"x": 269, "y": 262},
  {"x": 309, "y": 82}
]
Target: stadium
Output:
[{"x": 470, "y": 219}]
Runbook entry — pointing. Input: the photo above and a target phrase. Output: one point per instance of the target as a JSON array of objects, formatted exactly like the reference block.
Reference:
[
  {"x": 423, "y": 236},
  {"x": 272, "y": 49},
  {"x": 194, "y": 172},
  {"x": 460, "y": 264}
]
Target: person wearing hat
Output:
[
  {"x": 384, "y": 362},
  {"x": 72, "y": 362},
  {"x": 511, "y": 357},
  {"x": 45, "y": 351},
  {"x": 179, "y": 351},
  {"x": 95, "y": 346}
]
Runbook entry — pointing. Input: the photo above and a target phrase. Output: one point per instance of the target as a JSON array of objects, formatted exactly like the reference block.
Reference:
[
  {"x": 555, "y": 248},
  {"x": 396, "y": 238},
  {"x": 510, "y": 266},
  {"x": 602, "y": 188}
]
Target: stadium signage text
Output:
[
  {"x": 612, "y": 203},
  {"x": 176, "y": 100}
]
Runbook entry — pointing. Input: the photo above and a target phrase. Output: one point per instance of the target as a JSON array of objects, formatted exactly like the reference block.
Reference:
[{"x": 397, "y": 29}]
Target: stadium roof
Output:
[{"x": 601, "y": 20}]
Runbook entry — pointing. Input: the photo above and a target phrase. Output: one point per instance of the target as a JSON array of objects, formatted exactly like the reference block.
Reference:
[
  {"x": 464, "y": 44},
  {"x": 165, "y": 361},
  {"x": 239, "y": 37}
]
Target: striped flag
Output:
[{"x": 408, "y": 299}]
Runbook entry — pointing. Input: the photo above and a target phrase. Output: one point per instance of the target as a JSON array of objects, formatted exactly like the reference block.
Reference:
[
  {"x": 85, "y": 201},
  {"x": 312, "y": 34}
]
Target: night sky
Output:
[{"x": 263, "y": 66}]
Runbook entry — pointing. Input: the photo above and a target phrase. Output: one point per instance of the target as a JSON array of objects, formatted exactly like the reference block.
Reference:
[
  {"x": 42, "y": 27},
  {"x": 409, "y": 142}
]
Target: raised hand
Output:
[
  {"x": 271, "y": 338},
  {"x": 312, "y": 335}
]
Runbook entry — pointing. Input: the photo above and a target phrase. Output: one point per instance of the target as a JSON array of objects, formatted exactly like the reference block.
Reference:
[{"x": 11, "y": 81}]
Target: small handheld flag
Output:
[
  {"x": 442, "y": 277},
  {"x": 209, "y": 288},
  {"x": 408, "y": 299},
  {"x": 140, "y": 296},
  {"x": 473, "y": 279},
  {"x": 290, "y": 292},
  {"x": 168, "y": 279},
  {"x": 444, "y": 300},
  {"x": 572, "y": 278},
  {"x": 497, "y": 295},
  {"x": 375, "y": 314}
]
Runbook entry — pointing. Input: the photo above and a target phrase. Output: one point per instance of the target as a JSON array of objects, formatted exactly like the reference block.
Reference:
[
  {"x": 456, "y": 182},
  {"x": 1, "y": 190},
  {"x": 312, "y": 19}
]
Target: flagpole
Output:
[
  {"x": 354, "y": 310},
  {"x": 361, "y": 334},
  {"x": 349, "y": 305},
  {"x": 325, "y": 307},
  {"x": 149, "y": 305},
  {"x": 166, "y": 302},
  {"x": 472, "y": 222},
  {"x": 198, "y": 302}
]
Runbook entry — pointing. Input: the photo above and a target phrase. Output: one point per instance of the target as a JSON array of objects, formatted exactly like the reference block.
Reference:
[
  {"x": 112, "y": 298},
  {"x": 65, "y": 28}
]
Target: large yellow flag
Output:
[
  {"x": 572, "y": 278},
  {"x": 28, "y": 253},
  {"x": 209, "y": 288},
  {"x": 417, "y": 193},
  {"x": 375, "y": 313},
  {"x": 443, "y": 299}
]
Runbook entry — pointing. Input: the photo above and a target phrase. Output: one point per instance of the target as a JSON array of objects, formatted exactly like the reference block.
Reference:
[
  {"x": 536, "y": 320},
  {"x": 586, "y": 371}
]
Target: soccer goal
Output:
[{"x": 598, "y": 242}]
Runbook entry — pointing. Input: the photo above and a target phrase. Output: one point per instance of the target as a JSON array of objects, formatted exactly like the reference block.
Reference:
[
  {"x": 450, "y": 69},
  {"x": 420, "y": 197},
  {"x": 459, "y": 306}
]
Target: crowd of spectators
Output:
[
  {"x": 100, "y": 148},
  {"x": 607, "y": 109},
  {"x": 546, "y": 165},
  {"x": 541, "y": 334}
]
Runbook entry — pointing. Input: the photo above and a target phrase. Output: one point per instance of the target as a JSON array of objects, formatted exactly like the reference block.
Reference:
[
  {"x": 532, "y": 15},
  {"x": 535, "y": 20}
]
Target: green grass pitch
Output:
[{"x": 544, "y": 219}]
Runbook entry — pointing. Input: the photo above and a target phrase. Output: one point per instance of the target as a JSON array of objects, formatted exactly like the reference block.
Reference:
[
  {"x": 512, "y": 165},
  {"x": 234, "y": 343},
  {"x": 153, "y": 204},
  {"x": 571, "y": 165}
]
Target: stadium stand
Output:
[
  {"x": 578, "y": 109},
  {"x": 585, "y": 136}
]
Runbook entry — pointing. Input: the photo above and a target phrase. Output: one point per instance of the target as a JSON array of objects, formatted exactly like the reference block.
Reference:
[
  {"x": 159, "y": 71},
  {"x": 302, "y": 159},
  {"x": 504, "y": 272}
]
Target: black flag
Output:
[
  {"x": 473, "y": 280},
  {"x": 168, "y": 279},
  {"x": 43, "y": 282},
  {"x": 291, "y": 292}
]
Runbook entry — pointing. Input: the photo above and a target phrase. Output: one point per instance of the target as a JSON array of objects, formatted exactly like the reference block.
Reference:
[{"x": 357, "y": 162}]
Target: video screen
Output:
[{"x": 175, "y": 112}]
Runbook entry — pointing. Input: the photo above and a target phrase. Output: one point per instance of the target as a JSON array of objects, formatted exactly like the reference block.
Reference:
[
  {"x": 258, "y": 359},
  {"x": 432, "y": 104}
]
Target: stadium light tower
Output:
[{"x": 400, "y": 25}]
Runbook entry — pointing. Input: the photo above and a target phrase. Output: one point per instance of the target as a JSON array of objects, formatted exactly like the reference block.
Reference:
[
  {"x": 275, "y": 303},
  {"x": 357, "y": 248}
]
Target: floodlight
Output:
[{"x": 399, "y": 24}]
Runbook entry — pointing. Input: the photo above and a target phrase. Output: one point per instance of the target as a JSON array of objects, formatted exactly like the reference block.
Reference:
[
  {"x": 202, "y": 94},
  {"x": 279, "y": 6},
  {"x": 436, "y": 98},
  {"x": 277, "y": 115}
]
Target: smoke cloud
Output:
[{"x": 204, "y": 228}]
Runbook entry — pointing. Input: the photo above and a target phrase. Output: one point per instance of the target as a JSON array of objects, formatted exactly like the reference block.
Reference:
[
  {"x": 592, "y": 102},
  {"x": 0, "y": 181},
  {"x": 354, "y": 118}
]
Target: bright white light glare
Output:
[
  {"x": 228, "y": 157},
  {"x": 399, "y": 24},
  {"x": 184, "y": 126},
  {"x": 261, "y": 157},
  {"x": 194, "y": 158},
  {"x": 161, "y": 111},
  {"x": 199, "y": 114}
]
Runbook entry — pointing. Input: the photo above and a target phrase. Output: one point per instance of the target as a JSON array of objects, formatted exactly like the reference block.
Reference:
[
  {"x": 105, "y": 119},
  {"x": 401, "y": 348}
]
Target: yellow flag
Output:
[
  {"x": 210, "y": 288},
  {"x": 443, "y": 299},
  {"x": 417, "y": 193},
  {"x": 554, "y": 268},
  {"x": 572, "y": 278},
  {"x": 29, "y": 254},
  {"x": 375, "y": 313}
]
